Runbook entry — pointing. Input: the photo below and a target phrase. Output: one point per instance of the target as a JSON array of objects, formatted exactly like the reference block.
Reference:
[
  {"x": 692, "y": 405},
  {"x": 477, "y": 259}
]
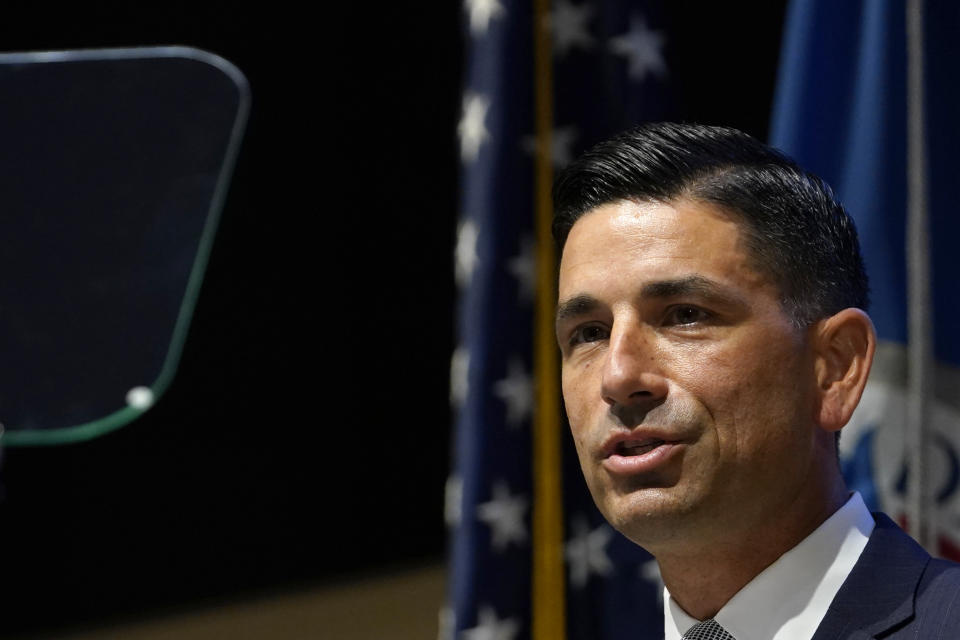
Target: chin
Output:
[{"x": 645, "y": 516}]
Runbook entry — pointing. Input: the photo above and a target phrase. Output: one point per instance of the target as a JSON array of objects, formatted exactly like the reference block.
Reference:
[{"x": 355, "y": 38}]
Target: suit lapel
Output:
[{"x": 879, "y": 593}]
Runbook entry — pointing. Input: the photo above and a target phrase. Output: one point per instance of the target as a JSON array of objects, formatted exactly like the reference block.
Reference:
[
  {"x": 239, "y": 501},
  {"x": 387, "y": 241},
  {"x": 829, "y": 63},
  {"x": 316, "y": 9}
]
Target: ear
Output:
[{"x": 844, "y": 344}]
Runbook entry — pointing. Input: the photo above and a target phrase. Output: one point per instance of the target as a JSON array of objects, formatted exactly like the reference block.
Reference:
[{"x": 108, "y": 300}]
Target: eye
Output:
[
  {"x": 589, "y": 333},
  {"x": 684, "y": 314}
]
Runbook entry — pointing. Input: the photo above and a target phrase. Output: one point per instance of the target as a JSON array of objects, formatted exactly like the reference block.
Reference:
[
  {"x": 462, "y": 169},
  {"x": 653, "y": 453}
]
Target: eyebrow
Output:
[
  {"x": 578, "y": 305},
  {"x": 690, "y": 285},
  {"x": 694, "y": 285}
]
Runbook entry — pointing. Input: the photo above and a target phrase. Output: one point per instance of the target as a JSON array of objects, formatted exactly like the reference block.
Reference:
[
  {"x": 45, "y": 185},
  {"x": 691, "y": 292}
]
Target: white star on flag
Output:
[
  {"x": 569, "y": 25},
  {"x": 524, "y": 269},
  {"x": 446, "y": 623},
  {"x": 561, "y": 145},
  {"x": 489, "y": 627},
  {"x": 586, "y": 551},
  {"x": 516, "y": 390},
  {"x": 650, "y": 571},
  {"x": 504, "y": 514},
  {"x": 481, "y": 13},
  {"x": 453, "y": 501},
  {"x": 643, "y": 48},
  {"x": 465, "y": 254},
  {"x": 473, "y": 128},
  {"x": 459, "y": 376}
]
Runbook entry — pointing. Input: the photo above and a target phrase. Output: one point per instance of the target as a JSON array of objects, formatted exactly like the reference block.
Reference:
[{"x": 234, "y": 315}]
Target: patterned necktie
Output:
[{"x": 707, "y": 630}]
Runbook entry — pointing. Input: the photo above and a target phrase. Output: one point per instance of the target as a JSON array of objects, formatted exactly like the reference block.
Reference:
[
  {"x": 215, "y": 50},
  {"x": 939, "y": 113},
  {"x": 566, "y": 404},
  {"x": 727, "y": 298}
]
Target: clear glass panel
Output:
[{"x": 113, "y": 168}]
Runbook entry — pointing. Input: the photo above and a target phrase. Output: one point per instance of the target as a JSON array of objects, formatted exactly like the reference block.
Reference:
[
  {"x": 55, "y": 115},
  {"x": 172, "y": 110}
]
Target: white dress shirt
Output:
[{"x": 788, "y": 599}]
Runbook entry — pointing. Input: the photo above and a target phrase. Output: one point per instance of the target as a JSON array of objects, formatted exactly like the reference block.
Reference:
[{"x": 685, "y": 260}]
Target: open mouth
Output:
[{"x": 635, "y": 448}]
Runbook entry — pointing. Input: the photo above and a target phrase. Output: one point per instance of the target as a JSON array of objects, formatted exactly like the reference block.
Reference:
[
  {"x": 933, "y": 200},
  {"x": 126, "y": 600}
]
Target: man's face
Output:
[{"x": 690, "y": 394}]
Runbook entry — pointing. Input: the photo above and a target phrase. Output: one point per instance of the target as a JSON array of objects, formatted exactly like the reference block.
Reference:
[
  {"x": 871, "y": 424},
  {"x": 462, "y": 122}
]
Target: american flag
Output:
[{"x": 605, "y": 70}]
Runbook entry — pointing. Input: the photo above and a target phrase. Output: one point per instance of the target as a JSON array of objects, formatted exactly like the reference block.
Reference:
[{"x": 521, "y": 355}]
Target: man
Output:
[{"x": 714, "y": 343}]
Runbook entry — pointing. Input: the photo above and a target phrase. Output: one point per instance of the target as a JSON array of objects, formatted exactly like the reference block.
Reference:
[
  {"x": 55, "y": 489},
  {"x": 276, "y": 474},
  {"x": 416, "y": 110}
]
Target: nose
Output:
[{"x": 632, "y": 378}]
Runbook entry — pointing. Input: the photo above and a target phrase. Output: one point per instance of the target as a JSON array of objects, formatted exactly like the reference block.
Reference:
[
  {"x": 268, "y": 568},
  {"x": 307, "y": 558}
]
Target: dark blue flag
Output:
[{"x": 841, "y": 111}]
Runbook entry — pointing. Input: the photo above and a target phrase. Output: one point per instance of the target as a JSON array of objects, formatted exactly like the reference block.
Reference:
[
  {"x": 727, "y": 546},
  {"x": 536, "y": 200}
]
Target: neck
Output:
[{"x": 701, "y": 579}]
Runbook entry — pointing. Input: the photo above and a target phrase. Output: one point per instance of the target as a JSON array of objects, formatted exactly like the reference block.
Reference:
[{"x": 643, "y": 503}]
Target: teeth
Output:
[{"x": 636, "y": 449}]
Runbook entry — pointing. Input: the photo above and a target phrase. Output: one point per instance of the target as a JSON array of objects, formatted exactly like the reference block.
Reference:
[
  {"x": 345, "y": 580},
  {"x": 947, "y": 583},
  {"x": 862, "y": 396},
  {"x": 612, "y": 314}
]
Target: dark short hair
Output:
[{"x": 794, "y": 228}]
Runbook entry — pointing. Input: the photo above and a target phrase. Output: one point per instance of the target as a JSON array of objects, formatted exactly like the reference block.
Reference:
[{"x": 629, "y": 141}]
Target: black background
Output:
[{"x": 306, "y": 436}]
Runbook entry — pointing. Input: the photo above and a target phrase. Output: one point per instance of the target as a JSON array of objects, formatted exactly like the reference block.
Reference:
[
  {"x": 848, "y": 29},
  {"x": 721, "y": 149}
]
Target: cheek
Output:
[
  {"x": 576, "y": 397},
  {"x": 576, "y": 385},
  {"x": 759, "y": 408}
]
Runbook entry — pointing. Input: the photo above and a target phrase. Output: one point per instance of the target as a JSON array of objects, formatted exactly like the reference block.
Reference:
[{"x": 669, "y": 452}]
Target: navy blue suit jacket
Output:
[{"x": 896, "y": 590}]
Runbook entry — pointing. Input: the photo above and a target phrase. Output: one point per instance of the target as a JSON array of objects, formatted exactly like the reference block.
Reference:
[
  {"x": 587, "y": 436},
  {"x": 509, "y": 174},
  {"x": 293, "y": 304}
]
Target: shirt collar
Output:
[{"x": 789, "y": 598}]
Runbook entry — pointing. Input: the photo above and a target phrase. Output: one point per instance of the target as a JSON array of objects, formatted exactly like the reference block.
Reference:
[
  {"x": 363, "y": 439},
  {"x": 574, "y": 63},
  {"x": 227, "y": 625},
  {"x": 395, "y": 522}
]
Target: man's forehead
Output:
[
  {"x": 664, "y": 241},
  {"x": 621, "y": 216},
  {"x": 636, "y": 227}
]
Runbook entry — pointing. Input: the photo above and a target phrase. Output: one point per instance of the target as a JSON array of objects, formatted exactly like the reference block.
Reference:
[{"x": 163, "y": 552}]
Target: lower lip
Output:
[{"x": 643, "y": 463}]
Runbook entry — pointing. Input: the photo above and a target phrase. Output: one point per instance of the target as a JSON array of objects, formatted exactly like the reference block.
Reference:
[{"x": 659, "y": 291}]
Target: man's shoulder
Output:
[
  {"x": 889, "y": 547},
  {"x": 937, "y": 613},
  {"x": 941, "y": 576},
  {"x": 887, "y": 534},
  {"x": 936, "y": 592},
  {"x": 944, "y": 570},
  {"x": 892, "y": 545},
  {"x": 895, "y": 590}
]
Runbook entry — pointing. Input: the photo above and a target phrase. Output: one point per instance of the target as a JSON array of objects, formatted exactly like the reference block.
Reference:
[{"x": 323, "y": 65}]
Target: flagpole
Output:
[
  {"x": 920, "y": 346},
  {"x": 548, "y": 600}
]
